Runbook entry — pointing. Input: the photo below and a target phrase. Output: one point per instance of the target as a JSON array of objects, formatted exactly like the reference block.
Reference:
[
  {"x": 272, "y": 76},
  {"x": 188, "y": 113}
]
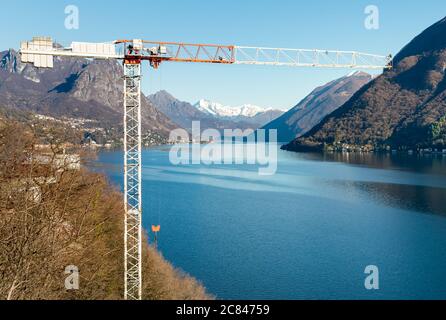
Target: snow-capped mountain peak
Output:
[{"x": 220, "y": 110}]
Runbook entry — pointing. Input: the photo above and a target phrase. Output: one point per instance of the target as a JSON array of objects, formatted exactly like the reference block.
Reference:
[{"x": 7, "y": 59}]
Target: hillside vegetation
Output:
[
  {"x": 316, "y": 106},
  {"x": 89, "y": 92},
  {"x": 402, "y": 109},
  {"x": 52, "y": 216}
]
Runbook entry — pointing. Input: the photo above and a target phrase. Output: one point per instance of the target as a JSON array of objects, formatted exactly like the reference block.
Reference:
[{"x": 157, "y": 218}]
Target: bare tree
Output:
[{"x": 54, "y": 214}]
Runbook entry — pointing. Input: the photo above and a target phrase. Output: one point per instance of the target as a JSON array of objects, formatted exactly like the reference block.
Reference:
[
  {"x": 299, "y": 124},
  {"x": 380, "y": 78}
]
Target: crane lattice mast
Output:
[{"x": 41, "y": 52}]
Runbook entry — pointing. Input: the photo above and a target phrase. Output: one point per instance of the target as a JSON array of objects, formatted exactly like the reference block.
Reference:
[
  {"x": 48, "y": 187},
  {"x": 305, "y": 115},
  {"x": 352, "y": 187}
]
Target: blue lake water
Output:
[{"x": 307, "y": 232}]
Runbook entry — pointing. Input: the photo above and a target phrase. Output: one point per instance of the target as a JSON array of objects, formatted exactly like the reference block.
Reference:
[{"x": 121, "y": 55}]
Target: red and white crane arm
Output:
[{"x": 41, "y": 50}]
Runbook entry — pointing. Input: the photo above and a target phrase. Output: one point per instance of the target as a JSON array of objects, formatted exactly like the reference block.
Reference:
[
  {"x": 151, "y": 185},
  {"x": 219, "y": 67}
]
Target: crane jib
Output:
[{"x": 41, "y": 50}]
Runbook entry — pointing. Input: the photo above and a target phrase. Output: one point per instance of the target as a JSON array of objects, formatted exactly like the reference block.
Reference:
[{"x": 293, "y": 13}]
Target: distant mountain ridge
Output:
[
  {"x": 85, "y": 89},
  {"x": 317, "y": 105},
  {"x": 184, "y": 113},
  {"x": 405, "y": 108},
  {"x": 218, "y": 109},
  {"x": 246, "y": 113},
  {"x": 77, "y": 88}
]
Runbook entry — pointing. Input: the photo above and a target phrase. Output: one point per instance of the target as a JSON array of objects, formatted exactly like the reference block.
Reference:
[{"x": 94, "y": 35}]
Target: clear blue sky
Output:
[{"x": 324, "y": 24}]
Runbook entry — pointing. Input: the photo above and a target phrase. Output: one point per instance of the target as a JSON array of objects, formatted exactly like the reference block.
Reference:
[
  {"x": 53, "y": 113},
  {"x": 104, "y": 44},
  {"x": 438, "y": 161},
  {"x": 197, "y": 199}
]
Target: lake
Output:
[{"x": 307, "y": 232}]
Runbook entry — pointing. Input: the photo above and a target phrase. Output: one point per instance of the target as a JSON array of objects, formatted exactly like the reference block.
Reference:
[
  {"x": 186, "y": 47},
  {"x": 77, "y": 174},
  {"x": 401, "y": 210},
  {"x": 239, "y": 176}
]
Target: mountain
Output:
[
  {"x": 184, "y": 113},
  {"x": 403, "y": 108},
  {"x": 246, "y": 113},
  {"x": 316, "y": 106},
  {"x": 219, "y": 110},
  {"x": 180, "y": 112},
  {"x": 74, "y": 88}
]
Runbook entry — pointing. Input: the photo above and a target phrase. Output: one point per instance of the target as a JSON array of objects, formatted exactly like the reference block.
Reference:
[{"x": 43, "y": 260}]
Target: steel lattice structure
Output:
[
  {"x": 132, "y": 181},
  {"x": 309, "y": 58},
  {"x": 41, "y": 51}
]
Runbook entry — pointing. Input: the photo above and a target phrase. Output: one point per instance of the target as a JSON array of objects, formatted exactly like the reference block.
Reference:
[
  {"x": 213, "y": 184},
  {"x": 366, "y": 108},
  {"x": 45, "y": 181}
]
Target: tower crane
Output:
[{"x": 40, "y": 52}]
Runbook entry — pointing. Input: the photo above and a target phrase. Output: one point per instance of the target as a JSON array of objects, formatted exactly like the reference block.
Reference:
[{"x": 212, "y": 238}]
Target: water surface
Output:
[{"x": 307, "y": 232}]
